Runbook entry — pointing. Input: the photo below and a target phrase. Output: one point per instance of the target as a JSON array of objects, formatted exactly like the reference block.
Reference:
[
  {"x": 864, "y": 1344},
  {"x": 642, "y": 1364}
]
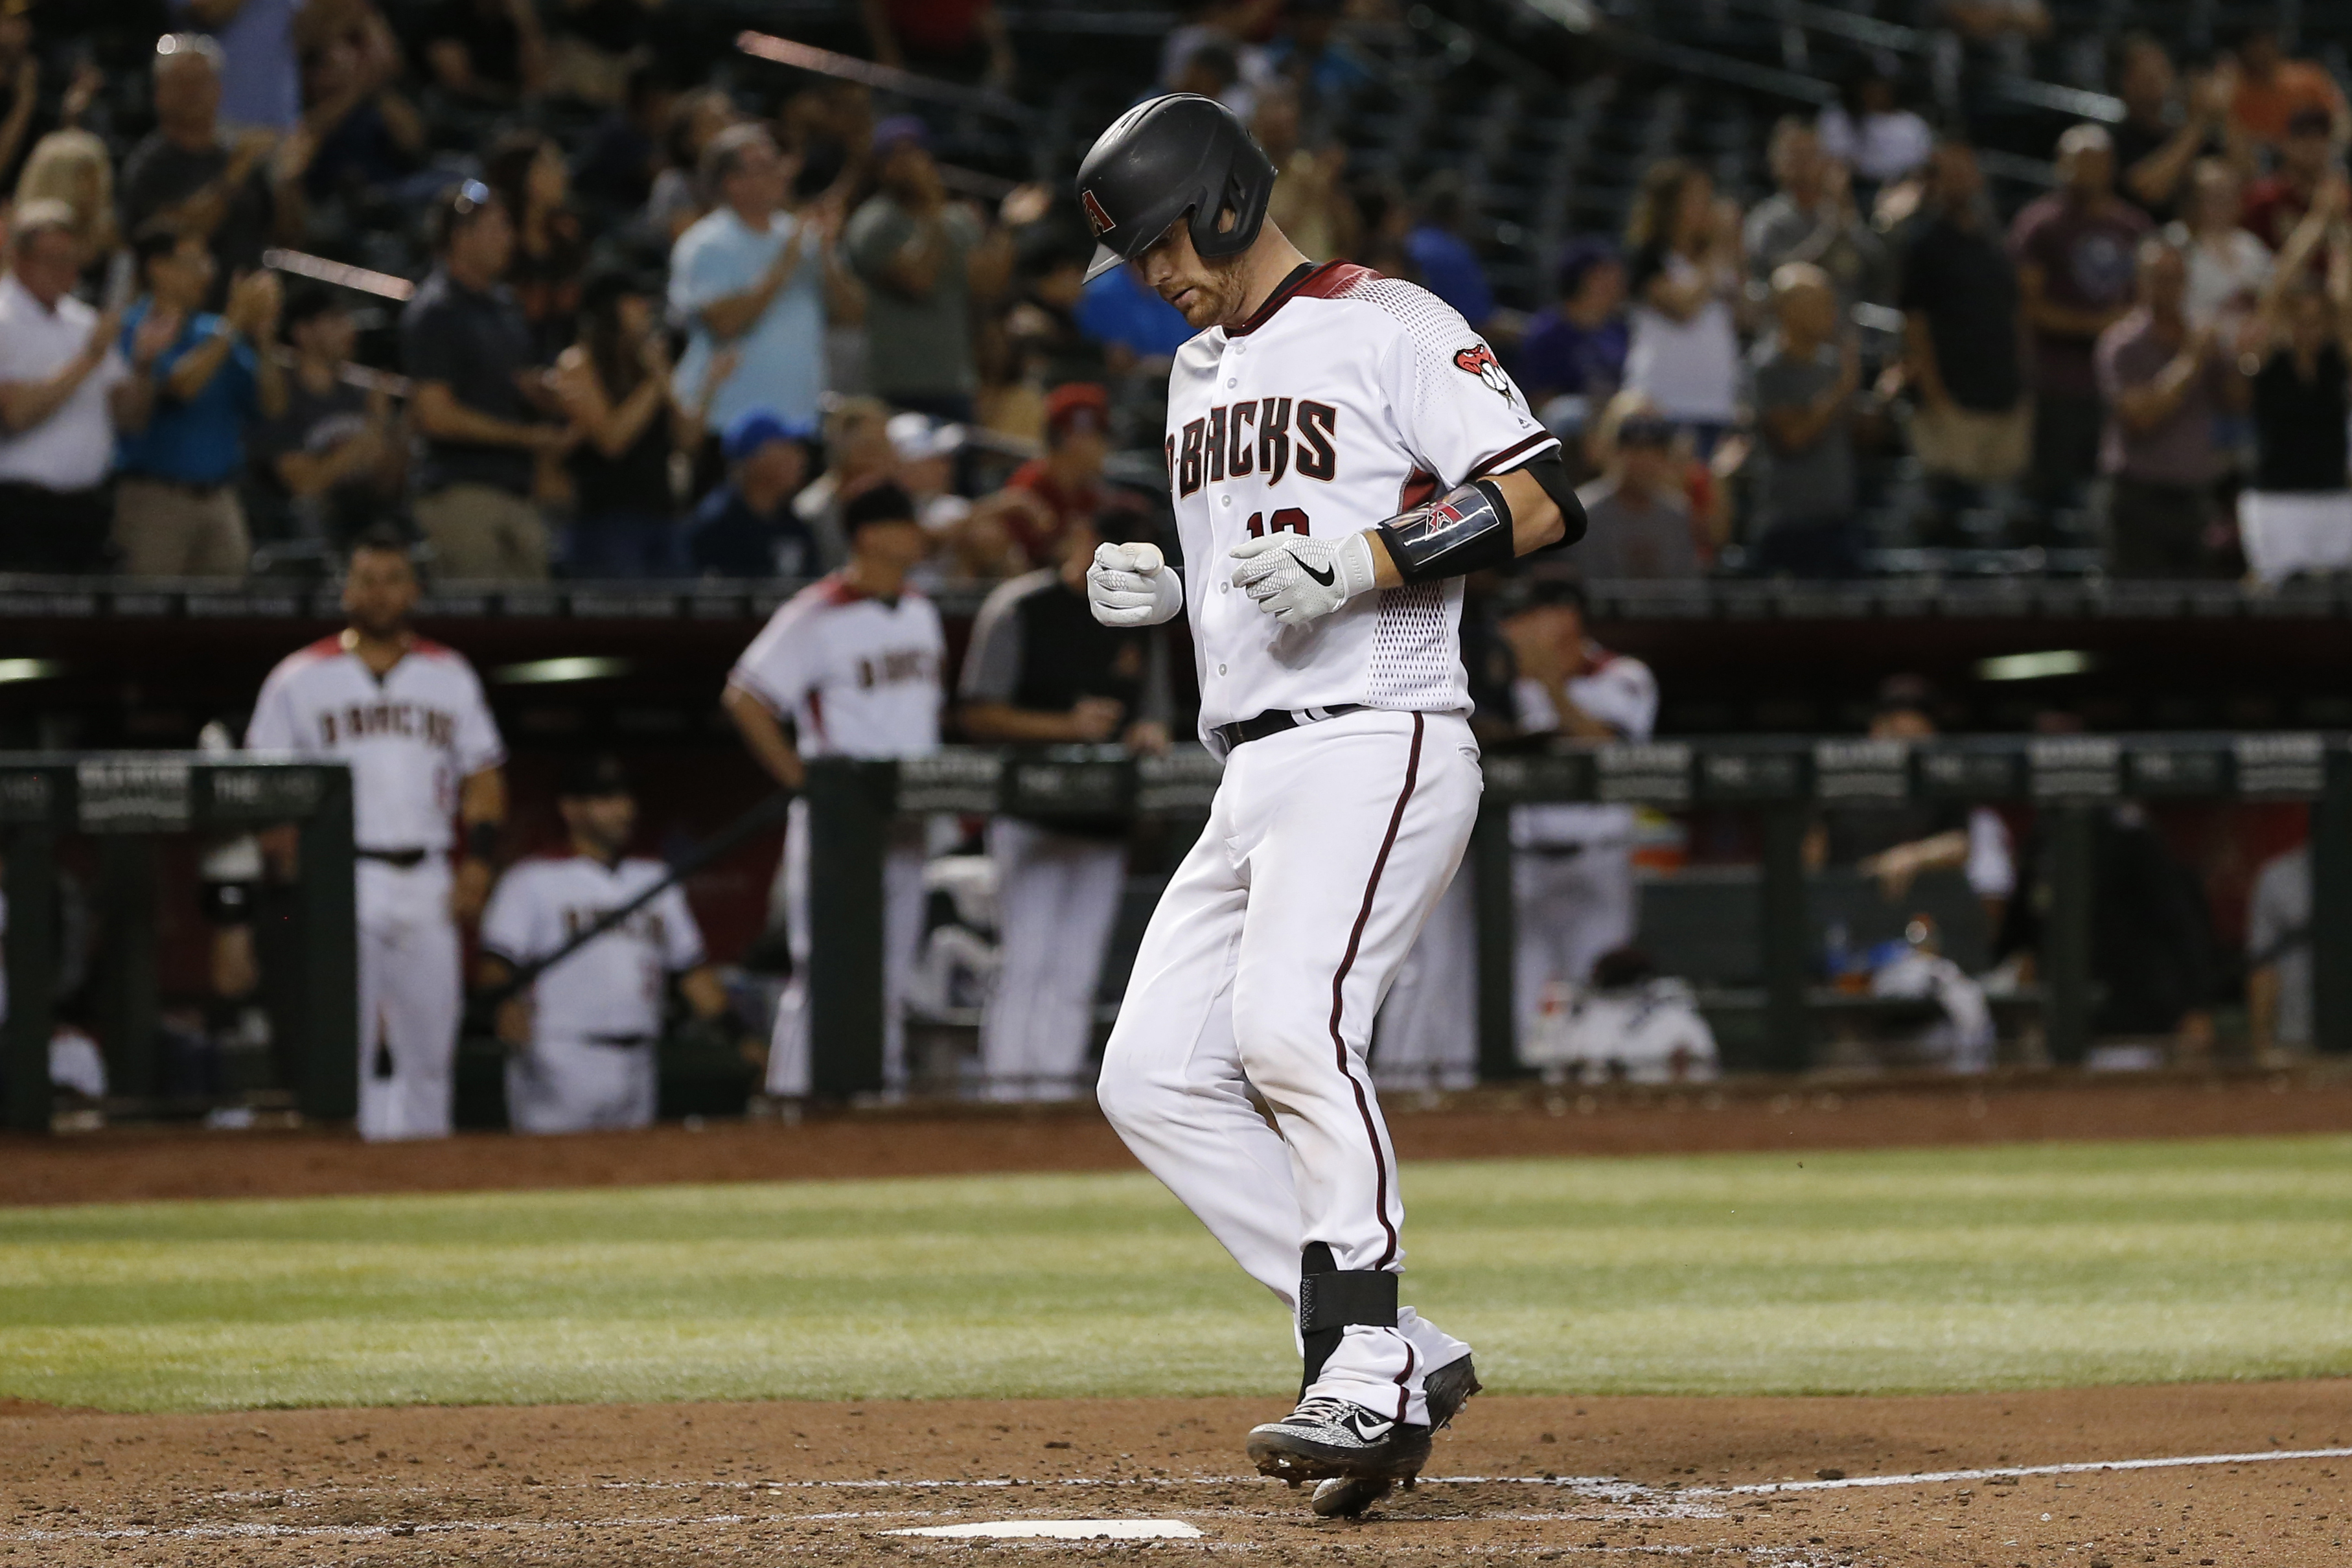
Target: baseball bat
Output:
[{"x": 762, "y": 816}]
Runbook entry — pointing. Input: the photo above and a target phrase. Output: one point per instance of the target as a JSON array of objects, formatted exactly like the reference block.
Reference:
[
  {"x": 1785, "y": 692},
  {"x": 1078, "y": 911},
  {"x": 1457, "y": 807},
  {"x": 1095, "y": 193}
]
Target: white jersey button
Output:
[
  {"x": 1231, "y": 382},
  {"x": 1224, "y": 500},
  {"x": 1220, "y": 669}
]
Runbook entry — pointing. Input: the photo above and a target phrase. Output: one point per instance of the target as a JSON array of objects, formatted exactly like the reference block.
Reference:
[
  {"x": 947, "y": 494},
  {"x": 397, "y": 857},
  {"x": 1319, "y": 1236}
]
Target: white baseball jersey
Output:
[
  {"x": 1623, "y": 694},
  {"x": 1346, "y": 399},
  {"x": 613, "y": 987},
  {"x": 410, "y": 738},
  {"x": 859, "y": 676}
]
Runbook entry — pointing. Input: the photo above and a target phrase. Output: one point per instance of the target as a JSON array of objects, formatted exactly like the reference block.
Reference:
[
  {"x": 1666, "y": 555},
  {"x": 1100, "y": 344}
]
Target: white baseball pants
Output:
[
  {"x": 581, "y": 1085},
  {"x": 902, "y": 936},
  {"x": 1428, "y": 1033},
  {"x": 1056, "y": 899},
  {"x": 411, "y": 999},
  {"x": 1326, "y": 849},
  {"x": 1572, "y": 909}
]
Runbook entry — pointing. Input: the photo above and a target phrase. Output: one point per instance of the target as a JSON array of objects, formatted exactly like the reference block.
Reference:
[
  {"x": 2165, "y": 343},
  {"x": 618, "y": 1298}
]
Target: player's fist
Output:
[
  {"x": 1296, "y": 580},
  {"x": 1130, "y": 585}
]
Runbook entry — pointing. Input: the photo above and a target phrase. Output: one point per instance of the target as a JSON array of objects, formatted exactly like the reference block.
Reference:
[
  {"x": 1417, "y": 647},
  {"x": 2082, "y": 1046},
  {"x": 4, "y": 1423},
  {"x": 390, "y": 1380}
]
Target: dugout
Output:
[
  {"x": 126, "y": 802},
  {"x": 1783, "y": 781}
]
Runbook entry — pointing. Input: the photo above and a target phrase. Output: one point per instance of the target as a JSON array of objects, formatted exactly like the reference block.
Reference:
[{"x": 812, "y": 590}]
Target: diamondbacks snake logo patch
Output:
[{"x": 1479, "y": 359}]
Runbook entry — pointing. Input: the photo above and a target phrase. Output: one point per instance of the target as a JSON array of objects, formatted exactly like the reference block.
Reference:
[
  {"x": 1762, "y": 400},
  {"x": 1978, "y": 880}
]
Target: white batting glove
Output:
[
  {"x": 1295, "y": 579},
  {"x": 1130, "y": 585}
]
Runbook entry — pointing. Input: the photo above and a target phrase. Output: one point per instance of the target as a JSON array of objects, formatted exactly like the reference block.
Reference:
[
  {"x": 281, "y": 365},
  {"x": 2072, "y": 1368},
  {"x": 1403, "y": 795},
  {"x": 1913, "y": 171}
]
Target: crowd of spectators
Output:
[{"x": 624, "y": 318}]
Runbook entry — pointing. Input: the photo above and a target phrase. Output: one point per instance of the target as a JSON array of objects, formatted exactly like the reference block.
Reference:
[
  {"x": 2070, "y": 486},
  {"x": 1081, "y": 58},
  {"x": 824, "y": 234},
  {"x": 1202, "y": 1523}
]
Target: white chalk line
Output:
[{"x": 1601, "y": 1488}]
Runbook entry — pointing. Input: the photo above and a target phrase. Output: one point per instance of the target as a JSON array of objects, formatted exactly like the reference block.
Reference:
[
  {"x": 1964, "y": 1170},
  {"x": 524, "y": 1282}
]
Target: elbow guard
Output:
[{"x": 1468, "y": 530}]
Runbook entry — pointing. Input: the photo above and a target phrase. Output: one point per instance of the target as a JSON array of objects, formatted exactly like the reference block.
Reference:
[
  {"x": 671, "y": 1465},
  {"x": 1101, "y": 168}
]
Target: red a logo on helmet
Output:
[{"x": 1096, "y": 219}]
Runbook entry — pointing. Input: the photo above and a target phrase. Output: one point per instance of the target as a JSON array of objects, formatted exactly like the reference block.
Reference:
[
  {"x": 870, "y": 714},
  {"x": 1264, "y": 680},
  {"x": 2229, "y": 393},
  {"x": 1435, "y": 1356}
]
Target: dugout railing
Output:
[
  {"x": 126, "y": 801},
  {"x": 1786, "y": 781}
]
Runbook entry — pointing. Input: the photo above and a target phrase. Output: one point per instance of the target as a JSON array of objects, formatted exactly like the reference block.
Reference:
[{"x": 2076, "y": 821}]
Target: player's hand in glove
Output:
[
  {"x": 1296, "y": 580},
  {"x": 1130, "y": 585}
]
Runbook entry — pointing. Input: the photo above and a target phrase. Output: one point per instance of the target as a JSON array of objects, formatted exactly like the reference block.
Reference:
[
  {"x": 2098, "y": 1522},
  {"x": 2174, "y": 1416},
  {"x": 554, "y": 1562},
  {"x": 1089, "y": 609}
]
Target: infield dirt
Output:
[{"x": 823, "y": 1483}]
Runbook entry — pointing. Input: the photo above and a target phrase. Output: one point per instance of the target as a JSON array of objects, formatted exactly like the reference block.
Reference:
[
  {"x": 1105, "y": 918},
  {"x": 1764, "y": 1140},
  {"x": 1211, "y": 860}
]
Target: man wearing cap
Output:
[
  {"x": 328, "y": 462},
  {"x": 64, "y": 383},
  {"x": 478, "y": 399},
  {"x": 583, "y": 1039},
  {"x": 923, "y": 259},
  {"x": 751, "y": 279},
  {"x": 853, "y": 664},
  {"x": 747, "y": 526},
  {"x": 1064, "y": 489}
]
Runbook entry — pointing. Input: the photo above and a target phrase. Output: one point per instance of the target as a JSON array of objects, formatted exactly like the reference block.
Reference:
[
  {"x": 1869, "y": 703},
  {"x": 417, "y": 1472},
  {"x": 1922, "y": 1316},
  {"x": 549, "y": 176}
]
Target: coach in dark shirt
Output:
[
  {"x": 478, "y": 399},
  {"x": 1040, "y": 670},
  {"x": 1961, "y": 342}
]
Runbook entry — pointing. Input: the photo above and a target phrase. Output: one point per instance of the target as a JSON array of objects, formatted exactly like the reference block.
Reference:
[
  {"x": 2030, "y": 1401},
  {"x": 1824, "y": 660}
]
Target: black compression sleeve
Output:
[{"x": 1552, "y": 474}]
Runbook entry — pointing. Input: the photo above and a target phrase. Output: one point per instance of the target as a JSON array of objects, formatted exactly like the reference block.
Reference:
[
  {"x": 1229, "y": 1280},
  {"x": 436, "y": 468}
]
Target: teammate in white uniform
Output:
[
  {"x": 1573, "y": 871},
  {"x": 409, "y": 717},
  {"x": 584, "y": 1037},
  {"x": 852, "y": 663},
  {"x": 1316, "y": 403}
]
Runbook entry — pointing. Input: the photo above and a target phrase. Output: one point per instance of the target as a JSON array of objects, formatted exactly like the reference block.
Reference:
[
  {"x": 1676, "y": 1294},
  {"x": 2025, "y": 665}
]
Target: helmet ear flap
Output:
[{"x": 1210, "y": 234}]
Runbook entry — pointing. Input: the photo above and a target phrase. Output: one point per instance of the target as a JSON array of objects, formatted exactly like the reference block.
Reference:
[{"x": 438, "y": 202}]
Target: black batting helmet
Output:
[{"x": 1166, "y": 158}]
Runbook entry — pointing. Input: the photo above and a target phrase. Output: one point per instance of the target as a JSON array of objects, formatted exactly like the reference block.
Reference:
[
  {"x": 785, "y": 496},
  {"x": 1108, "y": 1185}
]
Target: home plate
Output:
[{"x": 1063, "y": 1530}]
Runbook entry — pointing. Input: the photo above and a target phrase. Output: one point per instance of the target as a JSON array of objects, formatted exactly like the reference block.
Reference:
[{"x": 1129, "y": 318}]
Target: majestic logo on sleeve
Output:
[
  {"x": 1479, "y": 359},
  {"x": 1096, "y": 219}
]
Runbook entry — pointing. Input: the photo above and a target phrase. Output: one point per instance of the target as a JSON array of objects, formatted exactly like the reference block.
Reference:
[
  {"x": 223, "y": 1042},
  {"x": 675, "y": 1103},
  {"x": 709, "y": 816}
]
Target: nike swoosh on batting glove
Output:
[
  {"x": 1296, "y": 580},
  {"x": 1130, "y": 585}
]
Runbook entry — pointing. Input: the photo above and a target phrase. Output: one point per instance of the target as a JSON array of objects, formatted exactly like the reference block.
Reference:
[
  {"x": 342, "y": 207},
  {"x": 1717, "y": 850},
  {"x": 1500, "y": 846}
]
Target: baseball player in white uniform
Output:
[
  {"x": 852, "y": 663},
  {"x": 409, "y": 717},
  {"x": 584, "y": 1038},
  {"x": 1341, "y": 448},
  {"x": 1572, "y": 865}
]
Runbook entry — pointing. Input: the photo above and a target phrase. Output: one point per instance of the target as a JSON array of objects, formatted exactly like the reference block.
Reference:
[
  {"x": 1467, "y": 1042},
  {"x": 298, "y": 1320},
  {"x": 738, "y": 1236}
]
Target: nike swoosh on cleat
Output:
[{"x": 1326, "y": 576}]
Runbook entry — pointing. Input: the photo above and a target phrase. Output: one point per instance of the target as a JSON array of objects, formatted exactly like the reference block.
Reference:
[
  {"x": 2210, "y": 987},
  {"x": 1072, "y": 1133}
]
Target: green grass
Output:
[{"x": 2028, "y": 1265}]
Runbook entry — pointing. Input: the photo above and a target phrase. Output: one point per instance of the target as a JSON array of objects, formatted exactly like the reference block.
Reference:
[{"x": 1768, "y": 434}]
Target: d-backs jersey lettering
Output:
[
  {"x": 859, "y": 677},
  {"x": 410, "y": 738},
  {"x": 613, "y": 987},
  {"x": 1347, "y": 398}
]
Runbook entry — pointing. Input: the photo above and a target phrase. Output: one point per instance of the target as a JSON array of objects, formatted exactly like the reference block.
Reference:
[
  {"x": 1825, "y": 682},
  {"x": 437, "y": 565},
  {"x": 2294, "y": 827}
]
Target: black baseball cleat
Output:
[
  {"x": 1447, "y": 1390},
  {"x": 1326, "y": 1436}
]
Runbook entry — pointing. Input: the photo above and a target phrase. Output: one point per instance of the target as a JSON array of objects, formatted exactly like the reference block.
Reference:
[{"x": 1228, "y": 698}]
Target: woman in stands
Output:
[
  {"x": 2296, "y": 517},
  {"x": 614, "y": 384},
  {"x": 528, "y": 172},
  {"x": 1685, "y": 279}
]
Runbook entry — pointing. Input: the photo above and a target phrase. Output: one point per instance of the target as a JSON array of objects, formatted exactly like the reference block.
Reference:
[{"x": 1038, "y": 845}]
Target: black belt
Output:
[
  {"x": 623, "y": 1041},
  {"x": 1557, "y": 851},
  {"x": 1275, "y": 720},
  {"x": 406, "y": 859}
]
